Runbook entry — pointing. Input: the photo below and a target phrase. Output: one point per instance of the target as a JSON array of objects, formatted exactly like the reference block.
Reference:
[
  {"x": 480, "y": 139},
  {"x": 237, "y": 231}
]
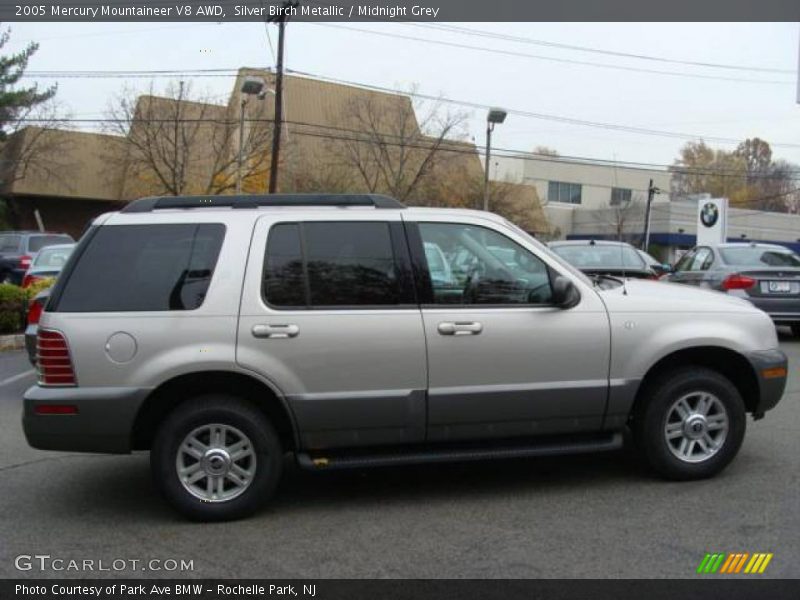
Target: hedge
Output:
[{"x": 14, "y": 304}]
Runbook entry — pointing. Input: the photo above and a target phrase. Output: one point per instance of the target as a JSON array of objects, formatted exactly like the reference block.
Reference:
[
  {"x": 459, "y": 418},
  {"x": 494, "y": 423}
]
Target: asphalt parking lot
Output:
[{"x": 584, "y": 516}]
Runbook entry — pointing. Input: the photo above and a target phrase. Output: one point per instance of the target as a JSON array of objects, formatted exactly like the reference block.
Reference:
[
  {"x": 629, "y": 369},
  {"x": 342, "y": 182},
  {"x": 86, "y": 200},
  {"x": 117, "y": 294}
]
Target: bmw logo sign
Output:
[{"x": 709, "y": 214}]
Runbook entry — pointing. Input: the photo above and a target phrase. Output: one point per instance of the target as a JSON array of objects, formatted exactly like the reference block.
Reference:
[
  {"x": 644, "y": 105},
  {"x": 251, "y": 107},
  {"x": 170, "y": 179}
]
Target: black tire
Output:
[
  {"x": 238, "y": 417},
  {"x": 654, "y": 407},
  {"x": 796, "y": 330}
]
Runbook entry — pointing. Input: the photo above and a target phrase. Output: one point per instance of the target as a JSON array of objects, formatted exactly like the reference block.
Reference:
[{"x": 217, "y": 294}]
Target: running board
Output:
[{"x": 358, "y": 459}]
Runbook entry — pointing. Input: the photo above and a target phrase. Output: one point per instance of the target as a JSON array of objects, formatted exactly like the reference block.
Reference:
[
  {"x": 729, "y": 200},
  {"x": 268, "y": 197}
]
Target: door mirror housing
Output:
[{"x": 565, "y": 294}]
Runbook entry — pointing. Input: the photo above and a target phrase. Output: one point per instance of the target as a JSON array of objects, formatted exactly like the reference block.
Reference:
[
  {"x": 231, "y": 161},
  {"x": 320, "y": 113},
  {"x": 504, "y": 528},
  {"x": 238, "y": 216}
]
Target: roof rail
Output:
[{"x": 258, "y": 201}]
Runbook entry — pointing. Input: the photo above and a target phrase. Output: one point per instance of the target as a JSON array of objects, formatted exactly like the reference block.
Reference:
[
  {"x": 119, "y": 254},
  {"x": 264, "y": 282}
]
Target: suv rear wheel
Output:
[
  {"x": 216, "y": 457},
  {"x": 690, "y": 423}
]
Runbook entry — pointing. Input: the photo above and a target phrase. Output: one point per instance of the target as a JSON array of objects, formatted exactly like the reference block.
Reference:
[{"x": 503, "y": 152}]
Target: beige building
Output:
[
  {"x": 566, "y": 186},
  {"x": 335, "y": 138}
]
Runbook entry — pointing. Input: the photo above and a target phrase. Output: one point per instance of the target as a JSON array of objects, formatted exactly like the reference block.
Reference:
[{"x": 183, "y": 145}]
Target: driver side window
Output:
[{"x": 471, "y": 265}]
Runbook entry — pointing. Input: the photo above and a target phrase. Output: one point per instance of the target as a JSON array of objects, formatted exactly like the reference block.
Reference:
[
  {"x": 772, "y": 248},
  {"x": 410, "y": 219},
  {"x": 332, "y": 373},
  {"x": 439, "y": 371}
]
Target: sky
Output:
[{"x": 757, "y": 98}]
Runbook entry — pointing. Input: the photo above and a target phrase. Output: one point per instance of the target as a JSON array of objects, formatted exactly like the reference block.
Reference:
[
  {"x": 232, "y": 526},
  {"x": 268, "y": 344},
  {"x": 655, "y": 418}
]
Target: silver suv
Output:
[{"x": 223, "y": 333}]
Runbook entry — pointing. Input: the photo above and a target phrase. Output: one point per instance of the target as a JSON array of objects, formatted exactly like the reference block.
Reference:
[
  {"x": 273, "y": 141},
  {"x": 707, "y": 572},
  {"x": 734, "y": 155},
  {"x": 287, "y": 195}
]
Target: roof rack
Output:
[{"x": 259, "y": 201}]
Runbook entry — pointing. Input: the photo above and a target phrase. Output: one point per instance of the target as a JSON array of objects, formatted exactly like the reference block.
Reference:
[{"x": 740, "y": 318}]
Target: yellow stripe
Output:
[
  {"x": 741, "y": 562},
  {"x": 752, "y": 562},
  {"x": 754, "y": 568},
  {"x": 727, "y": 563},
  {"x": 765, "y": 563}
]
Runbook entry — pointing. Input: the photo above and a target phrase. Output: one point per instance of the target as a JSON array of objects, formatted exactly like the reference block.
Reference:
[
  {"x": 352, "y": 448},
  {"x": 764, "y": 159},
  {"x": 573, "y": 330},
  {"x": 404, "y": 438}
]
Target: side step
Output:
[{"x": 359, "y": 458}]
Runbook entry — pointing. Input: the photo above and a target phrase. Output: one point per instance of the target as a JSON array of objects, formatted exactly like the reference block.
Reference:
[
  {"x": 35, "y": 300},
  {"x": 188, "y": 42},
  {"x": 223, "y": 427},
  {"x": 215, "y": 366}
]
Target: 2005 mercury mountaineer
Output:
[{"x": 222, "y": 333}]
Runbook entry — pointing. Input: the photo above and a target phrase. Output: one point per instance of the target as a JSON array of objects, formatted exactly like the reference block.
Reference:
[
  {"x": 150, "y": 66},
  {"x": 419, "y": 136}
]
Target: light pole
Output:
[
  {"x": 651, "y": 191},
  {"x": 251, "y": 86},
  {"x": 496, "y": 115}
]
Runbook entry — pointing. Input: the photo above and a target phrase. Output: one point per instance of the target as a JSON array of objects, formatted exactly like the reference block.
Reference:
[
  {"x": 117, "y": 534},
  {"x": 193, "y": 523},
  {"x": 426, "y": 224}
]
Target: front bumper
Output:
[
  {"x": 103, "y": 423},
  {"x": 771, "y": 368}
]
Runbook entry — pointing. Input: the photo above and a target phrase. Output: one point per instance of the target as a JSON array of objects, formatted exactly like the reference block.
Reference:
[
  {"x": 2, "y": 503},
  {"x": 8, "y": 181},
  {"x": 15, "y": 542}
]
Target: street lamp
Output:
[
  {"x": 496, "y": 115},
  {"x": 251, "y": 86}
]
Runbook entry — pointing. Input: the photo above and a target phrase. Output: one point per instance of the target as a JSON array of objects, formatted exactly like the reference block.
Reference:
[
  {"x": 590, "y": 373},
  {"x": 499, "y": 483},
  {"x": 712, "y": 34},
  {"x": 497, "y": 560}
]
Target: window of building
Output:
[
  {"x": 620, "y": 196},
  {"x": 313, "y": 265},
  {"x": 144, "y": 268},
  {"x": 558, "y": 191}
]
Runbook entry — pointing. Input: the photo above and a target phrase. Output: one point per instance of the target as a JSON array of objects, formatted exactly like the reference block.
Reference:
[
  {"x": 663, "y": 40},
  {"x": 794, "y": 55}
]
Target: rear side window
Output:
[
  {"x": 311, "y": 265},
  {"x": 37, "y": 242},
  {"x": 9, "y": 243},
  {"x": 144, "y": 268}
]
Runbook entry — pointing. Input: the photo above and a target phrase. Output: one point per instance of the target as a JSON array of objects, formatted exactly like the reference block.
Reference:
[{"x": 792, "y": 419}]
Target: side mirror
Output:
[
  {"x": 667, "y": 268},
  {"x": 565, "y": 294}
]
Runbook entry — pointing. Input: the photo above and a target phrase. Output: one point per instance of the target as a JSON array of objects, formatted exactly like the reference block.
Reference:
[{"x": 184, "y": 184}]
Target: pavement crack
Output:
[{"x": 45, "y": 459}]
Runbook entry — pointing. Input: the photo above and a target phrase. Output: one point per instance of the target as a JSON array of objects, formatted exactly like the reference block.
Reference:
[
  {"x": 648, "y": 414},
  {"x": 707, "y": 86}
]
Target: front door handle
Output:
[
  {"x": 275, "y": 331},
  {"x": 460, "y": 328}
]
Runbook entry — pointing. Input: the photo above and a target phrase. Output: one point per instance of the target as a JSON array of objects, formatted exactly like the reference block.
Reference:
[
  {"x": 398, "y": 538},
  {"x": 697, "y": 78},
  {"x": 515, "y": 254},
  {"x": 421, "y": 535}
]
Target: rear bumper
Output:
[
  {"x": 780, "y": 310},
  {"x": 768, "y": 366},
  {"x": 103, "y": 423}
]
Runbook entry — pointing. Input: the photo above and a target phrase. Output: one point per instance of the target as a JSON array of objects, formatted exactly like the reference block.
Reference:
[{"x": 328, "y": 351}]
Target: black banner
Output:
[
  {"x": 701, "y": 588},
  {"x": 400, "y": 10}
]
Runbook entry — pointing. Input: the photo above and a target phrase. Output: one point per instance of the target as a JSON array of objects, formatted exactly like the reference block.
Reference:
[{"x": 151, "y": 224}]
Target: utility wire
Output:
[
  {"x": 445, "y": 145},
  {"x": 660, "y": 59},
  {"x": 464, "y": 103},
  {"x": 548, "y": 58}
]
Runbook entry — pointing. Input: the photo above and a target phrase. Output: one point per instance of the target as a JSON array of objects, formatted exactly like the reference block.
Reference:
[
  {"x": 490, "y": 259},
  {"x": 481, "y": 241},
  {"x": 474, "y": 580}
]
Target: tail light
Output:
[
  {"x": 29, "y": 280},
  {"x": 53, "y": 360},
  {"x": 738, "y": 282},
  {"x": 25, "y": 262},
  {"x": 35, "y": 312}
]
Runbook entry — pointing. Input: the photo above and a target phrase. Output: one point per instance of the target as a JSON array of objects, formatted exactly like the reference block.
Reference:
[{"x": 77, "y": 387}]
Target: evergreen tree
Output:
[{"x": 14, "y": 100}]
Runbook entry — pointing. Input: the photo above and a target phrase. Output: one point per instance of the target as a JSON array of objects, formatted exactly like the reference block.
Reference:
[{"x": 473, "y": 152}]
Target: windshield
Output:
[
  {"x": 755, "y": 256},
  {"x": 600, "y": 257},
  {"x": 53, "y": 257}
]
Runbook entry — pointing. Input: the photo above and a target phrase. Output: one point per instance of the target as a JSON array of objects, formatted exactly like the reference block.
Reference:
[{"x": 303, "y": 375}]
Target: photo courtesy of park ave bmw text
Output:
[{"x": 344, "y": 299}]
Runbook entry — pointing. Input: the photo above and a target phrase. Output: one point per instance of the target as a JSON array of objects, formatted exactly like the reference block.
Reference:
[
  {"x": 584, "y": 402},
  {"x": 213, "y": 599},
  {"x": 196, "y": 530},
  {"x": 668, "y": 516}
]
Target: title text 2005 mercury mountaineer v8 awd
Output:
[{"x": 222, "y": 333}]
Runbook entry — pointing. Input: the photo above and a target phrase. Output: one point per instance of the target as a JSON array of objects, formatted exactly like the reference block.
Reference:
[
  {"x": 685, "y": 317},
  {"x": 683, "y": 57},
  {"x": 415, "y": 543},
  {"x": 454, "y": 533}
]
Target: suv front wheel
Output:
[
  {"x": 216, "y": 457},
  {"x": 690, "y": 423}
]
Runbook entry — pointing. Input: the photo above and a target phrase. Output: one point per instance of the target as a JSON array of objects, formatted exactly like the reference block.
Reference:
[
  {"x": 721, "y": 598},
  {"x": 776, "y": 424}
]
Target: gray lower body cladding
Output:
[{"x": 103, "y": 421}]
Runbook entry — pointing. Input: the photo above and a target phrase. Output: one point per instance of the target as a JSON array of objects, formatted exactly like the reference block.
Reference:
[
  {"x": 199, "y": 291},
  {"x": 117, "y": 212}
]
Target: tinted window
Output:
[
  {"x": 600, "y": 256},
  {"x": 144, "y": 268},
  {"x": 9, "y": 243},
  {"x": 482, "y": 267},
  {"x": 284, "y": 281},
  {"x": 37, "y": 242},
  {"x": 754, "y": 256},
  {"x": 331, "y": 264}
]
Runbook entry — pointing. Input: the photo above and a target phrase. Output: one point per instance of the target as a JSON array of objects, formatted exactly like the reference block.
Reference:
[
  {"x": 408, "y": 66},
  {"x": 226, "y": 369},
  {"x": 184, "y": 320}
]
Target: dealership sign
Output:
[{"x": 712, "y": 221}]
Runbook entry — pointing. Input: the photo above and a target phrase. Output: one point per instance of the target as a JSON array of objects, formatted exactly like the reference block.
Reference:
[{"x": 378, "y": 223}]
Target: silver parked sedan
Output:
[{"x": 768, "y": 275}]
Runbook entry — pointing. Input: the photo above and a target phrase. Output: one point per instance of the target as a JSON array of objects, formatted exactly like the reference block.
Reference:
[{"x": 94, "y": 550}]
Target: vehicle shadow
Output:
[{"x": 121, "y": 487}]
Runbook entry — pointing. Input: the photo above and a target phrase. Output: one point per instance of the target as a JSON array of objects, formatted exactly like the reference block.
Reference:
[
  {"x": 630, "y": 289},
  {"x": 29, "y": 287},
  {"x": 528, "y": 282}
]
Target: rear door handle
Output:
[
  {"x": 275, "y": 331},
  {"x": 460, "y": 328}
]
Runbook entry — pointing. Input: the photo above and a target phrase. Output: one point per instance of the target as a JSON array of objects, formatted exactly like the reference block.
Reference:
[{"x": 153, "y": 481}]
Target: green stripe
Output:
[
  {"x": 718, "y": 564},
  {"x": 703, "y": 563}
]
